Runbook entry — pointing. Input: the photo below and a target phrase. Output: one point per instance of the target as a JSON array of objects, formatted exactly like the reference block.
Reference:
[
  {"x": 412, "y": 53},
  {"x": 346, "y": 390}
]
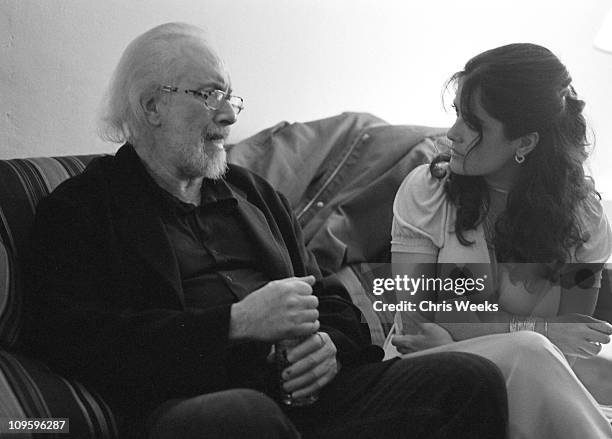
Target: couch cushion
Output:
[
  {"x": 28, "y": 389},
  {"x": 10, "y": 303},
  {"x": 24, "y": 183}
]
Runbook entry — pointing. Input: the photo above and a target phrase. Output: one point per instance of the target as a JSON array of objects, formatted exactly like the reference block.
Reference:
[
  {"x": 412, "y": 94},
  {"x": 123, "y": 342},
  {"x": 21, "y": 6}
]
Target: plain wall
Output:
[{"x": 291, "y": 60}]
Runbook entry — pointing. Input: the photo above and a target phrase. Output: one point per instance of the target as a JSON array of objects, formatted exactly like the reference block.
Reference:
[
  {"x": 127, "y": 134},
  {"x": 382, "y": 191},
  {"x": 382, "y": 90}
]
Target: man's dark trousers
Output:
[{"x": 448, "y": 395}]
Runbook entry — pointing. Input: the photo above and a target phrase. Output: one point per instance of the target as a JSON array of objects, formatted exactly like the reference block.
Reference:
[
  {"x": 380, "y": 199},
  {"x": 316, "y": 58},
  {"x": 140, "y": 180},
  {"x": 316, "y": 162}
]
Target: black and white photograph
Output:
[{"x": 305, "y": 219}]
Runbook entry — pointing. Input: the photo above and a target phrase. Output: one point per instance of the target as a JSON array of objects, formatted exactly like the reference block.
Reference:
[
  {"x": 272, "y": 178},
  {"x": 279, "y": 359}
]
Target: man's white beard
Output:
[
  {"x": 215, "y": 164},
  {"x": 208, "y": 162}
]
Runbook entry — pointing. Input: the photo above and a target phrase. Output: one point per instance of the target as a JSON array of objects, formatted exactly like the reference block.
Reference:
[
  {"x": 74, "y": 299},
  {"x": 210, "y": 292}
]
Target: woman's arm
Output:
[
  {"x": 413, "y": 266},
  {"x": 469, "y": 324},
  {"x": 574, "y": 333},
  {"x": 417, "y": 327},
  {"x": 416, "y": 330}
]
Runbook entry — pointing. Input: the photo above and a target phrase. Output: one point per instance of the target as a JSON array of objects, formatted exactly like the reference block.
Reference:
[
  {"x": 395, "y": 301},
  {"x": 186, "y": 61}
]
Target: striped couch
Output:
[
  {"x": 28, "y": 389},
  {"x": 334, "y": 156}
]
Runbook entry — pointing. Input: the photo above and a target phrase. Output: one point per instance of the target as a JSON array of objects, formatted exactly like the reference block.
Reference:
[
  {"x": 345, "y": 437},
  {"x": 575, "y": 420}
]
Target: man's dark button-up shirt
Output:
[{"x": 214, "y": 252}]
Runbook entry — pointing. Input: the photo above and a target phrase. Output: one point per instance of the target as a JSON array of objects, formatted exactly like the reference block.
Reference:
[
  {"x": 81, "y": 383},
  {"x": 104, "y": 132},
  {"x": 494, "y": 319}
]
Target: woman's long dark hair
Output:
[{"x": 528, "y": 89}]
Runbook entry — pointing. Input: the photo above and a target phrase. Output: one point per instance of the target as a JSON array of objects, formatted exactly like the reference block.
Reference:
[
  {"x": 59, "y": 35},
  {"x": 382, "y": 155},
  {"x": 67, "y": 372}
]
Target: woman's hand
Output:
[
  {"x": 430, "y": 335},
  {"x": 578, "y": 335}
]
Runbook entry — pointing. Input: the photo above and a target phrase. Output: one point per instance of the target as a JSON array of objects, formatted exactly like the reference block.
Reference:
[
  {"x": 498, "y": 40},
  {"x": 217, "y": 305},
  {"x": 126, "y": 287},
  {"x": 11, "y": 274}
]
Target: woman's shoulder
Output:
[
  {"x": 421, "y": 203},
  {"x": 421, "y": 191},
  {"x": 596, "y": 227}
]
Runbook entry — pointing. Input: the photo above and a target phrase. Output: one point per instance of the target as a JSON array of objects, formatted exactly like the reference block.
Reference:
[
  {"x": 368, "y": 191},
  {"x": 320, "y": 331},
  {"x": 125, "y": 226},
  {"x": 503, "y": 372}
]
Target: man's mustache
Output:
[{"x": 216, "y": 135}]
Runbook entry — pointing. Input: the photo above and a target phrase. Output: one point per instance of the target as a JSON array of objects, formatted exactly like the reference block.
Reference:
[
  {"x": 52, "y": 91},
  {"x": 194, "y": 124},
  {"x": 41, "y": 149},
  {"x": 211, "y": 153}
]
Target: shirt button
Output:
[
  {"x": 229, "y": 278},
  {"x": 365, "y": 137},
  {"x": 320, "y": 204}
]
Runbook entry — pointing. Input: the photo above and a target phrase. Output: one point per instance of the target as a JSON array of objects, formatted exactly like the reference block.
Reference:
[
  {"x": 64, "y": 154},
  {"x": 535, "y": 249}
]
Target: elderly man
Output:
[{"x": 162, "y": 277}]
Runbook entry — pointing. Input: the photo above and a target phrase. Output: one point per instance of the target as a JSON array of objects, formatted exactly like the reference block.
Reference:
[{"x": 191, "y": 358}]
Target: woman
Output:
[{"x": 510, "y": 208}]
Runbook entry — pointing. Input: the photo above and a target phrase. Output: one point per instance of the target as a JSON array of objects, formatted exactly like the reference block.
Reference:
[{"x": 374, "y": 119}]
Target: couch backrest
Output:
[{"x": 23, "y": 182}]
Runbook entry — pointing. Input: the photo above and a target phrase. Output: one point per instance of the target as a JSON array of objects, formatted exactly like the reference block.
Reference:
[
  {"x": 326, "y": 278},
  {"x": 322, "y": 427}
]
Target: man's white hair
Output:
[{"x": 153, "y": 59}]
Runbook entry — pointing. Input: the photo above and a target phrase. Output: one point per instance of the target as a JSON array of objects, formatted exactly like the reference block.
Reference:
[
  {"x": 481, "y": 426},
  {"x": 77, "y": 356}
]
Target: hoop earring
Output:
[{"x": 519, "y": 158}]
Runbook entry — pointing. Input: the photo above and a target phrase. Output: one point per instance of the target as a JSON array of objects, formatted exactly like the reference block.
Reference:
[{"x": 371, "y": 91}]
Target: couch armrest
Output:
[{"x": 29, "y": 389}]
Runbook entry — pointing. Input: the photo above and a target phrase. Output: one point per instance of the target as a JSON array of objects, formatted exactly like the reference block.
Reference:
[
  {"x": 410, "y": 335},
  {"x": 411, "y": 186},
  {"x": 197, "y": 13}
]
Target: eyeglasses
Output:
[{"x": 212, "y": 99}]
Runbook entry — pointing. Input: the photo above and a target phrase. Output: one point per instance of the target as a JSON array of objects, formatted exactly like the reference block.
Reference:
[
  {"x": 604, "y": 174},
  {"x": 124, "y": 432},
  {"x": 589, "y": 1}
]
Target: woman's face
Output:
[{"x": 492, "y": 157}]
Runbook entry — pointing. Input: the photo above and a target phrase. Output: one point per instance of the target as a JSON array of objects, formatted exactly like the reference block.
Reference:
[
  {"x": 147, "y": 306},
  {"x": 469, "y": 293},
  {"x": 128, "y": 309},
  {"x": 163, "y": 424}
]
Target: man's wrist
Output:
[{"x": 237, "y": 330}]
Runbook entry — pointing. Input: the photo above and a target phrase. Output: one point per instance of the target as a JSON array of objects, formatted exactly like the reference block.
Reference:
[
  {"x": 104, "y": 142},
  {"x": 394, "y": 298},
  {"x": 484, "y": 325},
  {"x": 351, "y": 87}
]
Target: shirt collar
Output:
[{"x": 212, "y": 191}]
